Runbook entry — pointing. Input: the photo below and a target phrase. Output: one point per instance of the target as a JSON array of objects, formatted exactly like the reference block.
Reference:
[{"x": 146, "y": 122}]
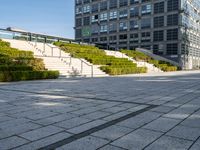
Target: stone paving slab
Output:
[
  {"x": 170, "y": 143},
  {"x": 112, "y": 133},
  {"x": 87, "y": 143},
  {"x": 12, "y": 142},
  {"x": 41, "y": 133},
  {"x": 44, "y": 142},
  {"x": 185, "y": 132},
  {"x": 137, "y": 139},
  {"x": 162, "y": 124},
  {"x": 119, "y": 113}
]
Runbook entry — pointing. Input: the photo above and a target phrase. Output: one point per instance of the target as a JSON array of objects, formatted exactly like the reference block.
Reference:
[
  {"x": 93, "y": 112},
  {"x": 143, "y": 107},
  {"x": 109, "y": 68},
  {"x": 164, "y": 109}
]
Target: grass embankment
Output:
[
  {"x": 109, "y": 64},
  {"x": 139, "y": 56}
]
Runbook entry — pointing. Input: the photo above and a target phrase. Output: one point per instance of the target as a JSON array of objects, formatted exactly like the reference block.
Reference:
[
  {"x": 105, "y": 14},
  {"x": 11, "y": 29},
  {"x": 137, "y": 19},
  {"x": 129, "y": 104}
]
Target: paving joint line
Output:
[{"x": 95, "y": 129}]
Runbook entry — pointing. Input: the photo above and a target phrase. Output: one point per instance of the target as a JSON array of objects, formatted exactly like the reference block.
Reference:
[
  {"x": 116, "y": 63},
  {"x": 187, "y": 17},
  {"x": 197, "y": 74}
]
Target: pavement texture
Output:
[{"x": 113, "y": 113}]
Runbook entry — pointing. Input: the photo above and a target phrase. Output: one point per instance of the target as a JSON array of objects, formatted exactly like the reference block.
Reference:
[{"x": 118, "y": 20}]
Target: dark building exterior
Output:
[{"x": 170, "y": 28}]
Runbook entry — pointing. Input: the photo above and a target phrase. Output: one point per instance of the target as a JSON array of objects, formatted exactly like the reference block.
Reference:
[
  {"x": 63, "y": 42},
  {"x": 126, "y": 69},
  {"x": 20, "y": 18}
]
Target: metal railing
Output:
[{"x": 62, "y": 58}]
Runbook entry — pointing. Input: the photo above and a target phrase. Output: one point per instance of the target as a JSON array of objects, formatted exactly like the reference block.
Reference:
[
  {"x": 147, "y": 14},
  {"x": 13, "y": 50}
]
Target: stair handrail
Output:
[
  {"x": 82, "y": 60},
  {"x": 29, "y": 42}
]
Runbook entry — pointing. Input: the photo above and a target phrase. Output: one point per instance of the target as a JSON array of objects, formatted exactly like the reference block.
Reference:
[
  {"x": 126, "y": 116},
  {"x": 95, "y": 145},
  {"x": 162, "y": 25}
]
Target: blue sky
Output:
[{"x": 54, "y": 17}]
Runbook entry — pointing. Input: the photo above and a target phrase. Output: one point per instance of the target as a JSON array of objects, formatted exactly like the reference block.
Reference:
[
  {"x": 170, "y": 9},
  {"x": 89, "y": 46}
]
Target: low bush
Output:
[
  {"x": 123, "y": 70},
  {"x": 15, "y": 68},
  {"x": 14, "y": 53},
  {"x": 7, "y": 76}
]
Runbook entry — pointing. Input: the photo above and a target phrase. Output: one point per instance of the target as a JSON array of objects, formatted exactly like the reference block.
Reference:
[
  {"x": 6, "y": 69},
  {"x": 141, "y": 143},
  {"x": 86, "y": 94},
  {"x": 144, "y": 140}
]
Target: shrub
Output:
[
  {"x": 15, "y": 68},
  {"x": 119, "y": 71},
  {"x": 27, "y": 75}
]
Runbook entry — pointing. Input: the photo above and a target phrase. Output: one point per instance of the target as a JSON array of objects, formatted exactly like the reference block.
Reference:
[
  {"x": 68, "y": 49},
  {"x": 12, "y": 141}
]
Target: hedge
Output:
[
  {"x": 14, "y": 53},
  {"x": 120, "y": 71},
  {"x": 15, "y": 68},
  {"x": 27, "y": 75}
]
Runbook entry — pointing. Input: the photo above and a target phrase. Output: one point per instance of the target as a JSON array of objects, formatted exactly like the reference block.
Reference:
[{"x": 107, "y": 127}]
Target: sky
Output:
[{"x": 52, "y": 17}]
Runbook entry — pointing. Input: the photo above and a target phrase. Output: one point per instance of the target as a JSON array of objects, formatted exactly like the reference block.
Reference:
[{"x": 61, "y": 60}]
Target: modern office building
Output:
[{"x": 170, "y": 28}]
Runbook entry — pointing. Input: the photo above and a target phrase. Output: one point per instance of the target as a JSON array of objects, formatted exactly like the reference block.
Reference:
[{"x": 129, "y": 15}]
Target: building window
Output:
[
  {"x": 146, "y": 23},
  {"x": 95, "y": 18},
  {"x": 134, "y": 36},
  {"x": 159, "y": 7},
  {"x": 113, "y": 4},
  {"x": 172, "y": 20},
  {"x": 172, "y": 34},
  {"x": 134, "y": 2},
  {"x": 94, "y": 40},
  {"x": 78, "y": 10},
  {"x": 123, "y": 26},
  {"x": 103, "y": 28},
  {"x": 146, "y": 9},
  {"x": 95, "y": 8},
  {"x": 113, "y": 38},
  {"x": 123, "y": 13},
  {"x": 123, "y": 37},
  {"x": 158, "y": 21},
  {"x": 158, "y": 36},
  {"x": 172, "y": 5},
  {"x": 86, "y": 9},
  {"x": 86, "y": 1},
  {"x": 78, "y": 33},
  {"x": 104, "y": 17},
  {"x": 103, "y": 5},
  {"x": 78, "y": 22},
  {"x": 95, "y": 29},
  {"x": 172, "y": 49},
  {"x": 78, "y": 2},
  {"x": 145, "y": 1},
  {"x": 123, "y": 3},
  {"x": 86, "y": 21},
  {"x": 103, "y": 39},
  {"x": 113, "y": 15},
  {"x": 113, "y": 27},
  {"x": 146, "y": 34},
  {"x": 134, "y": 12},
  {"x": 134, "y": 25}
]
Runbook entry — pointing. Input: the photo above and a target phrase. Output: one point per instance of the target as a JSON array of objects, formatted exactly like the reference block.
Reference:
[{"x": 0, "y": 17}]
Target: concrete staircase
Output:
[
  {"x": 151, "y": 68},
  {"x": 56, "y": 59}
]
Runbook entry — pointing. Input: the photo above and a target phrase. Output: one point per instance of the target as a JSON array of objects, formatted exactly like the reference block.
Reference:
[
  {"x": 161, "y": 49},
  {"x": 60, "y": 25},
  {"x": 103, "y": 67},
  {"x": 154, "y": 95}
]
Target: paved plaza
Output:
[{"x": 112, "y": 113}]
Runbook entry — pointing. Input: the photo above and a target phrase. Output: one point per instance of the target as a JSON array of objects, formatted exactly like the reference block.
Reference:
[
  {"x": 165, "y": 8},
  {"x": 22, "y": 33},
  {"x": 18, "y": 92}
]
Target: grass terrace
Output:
[
  {"x": 17, "y": 65},
  {"x": 109, "y": 64},
  {"x": 139, "y": 56}
]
